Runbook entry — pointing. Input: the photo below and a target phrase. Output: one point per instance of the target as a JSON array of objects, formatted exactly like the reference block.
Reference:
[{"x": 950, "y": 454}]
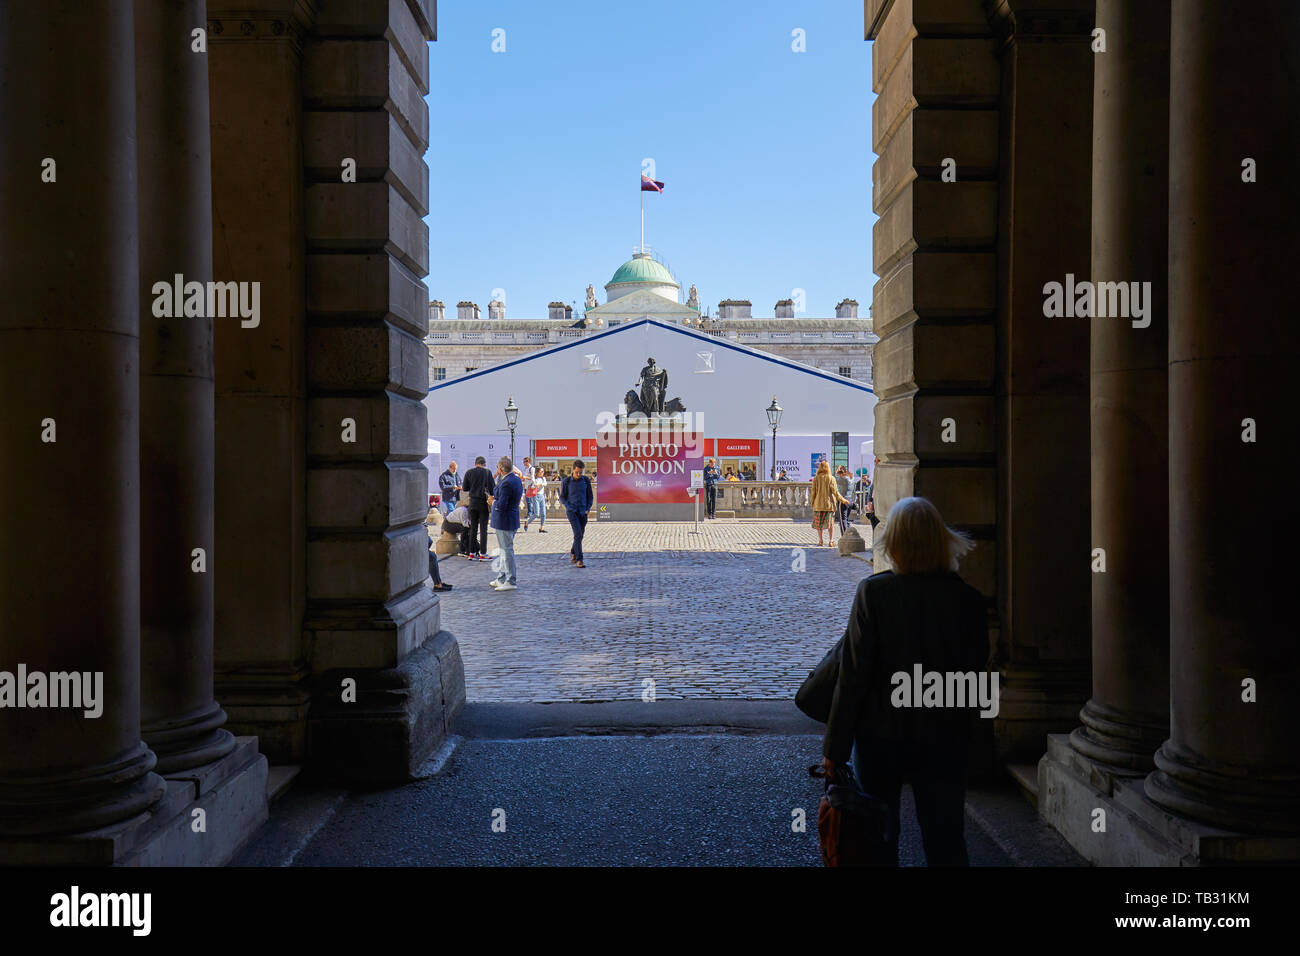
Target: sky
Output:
[{"x": 536, "y": 152}]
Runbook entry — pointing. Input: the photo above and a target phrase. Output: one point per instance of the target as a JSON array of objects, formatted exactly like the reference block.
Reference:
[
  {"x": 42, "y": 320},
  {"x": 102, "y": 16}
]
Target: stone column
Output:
[
  {"x": 1128, "y": 714},
  {"x": 1234, "y": 344},
  {"x": 1045, "y": 208},
  {"x": 259, "y": 566},
  {"x": 370, "y": 617},
  {"x": 182, "y": 721},
  {"x": 70, "y": 430}
]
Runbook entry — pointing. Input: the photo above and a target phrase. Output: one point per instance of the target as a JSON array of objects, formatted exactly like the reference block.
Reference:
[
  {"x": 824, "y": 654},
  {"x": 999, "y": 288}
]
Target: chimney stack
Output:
[
  {"x": 467, "y": 310},
  {"x": 496, "y": 309},
  {"x": 735, "y": 309},
  {"x": 785, "y": 309},
  {"x": 436, "y": 311},
  {"x": 555, "y": 310},
  {"x": 847, "y": 309}
]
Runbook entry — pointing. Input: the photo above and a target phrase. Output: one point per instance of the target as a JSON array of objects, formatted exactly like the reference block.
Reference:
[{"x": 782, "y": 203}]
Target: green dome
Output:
[{"x": 643, "y": 269}]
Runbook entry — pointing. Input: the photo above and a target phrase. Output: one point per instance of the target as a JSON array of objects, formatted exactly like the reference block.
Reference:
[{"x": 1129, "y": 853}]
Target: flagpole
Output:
[{"x": 642, "y": 191}]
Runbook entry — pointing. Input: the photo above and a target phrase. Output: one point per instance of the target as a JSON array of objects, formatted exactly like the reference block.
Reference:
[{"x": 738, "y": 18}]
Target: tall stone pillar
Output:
[
  {"x": 259, "y": 558},
  {"x": 182, "y": 721},
  {"x": 70, "y": 431},
  {"x": 370, "y": 617},
  {"x": 1128, "y": 714},
  {"x": 1045, "y": 208},
  {"x": 1231, "y": 759}
]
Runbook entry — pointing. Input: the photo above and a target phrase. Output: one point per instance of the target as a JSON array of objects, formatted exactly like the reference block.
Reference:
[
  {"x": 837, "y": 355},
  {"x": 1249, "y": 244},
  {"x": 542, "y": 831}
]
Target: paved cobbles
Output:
[{"x": 716, "y": 615}]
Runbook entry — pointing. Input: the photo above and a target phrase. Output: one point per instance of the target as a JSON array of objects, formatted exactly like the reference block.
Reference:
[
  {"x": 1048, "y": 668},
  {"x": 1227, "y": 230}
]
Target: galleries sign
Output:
[{"x": 647, "y": 469}]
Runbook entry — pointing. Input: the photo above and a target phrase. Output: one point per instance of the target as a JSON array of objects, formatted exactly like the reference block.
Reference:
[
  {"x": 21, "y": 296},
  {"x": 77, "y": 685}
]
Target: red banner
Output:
[
  {"x": 557, "y": 448},
  {"x": 651, "y": 470},
  {"x": 738, "y": 446},
  {"x": 589, "y": 448}
]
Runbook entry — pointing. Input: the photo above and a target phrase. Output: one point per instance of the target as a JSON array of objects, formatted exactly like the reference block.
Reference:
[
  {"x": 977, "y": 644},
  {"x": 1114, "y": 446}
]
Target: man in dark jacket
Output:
[
  {"x": 711, "y": 478},
  {"x": 577, "y": 497},
  {"x": 903, "y": 626},
  {"x": 449, "y": 487},
  {"x": 479, "y": 486},
  {"x": 509, "y": 491}
]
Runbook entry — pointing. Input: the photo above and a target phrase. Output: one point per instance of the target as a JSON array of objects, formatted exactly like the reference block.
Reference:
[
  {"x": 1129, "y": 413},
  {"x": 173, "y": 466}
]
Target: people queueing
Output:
[
  {"x": 507, "y": 494},
  {"x": 479, "y": 485},
  {"x": 577, "y": 497}
]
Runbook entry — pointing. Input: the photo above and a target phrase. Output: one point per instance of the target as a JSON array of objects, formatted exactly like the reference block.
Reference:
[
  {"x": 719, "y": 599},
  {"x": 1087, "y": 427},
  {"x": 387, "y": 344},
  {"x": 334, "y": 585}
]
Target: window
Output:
[
  {"x": 846, "y": 371},
  {"x": 471, "y": 368},
  {"x": 439, "y": 374}
]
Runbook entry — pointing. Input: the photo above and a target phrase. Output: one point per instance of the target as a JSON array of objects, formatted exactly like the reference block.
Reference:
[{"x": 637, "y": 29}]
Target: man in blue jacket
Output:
[
  {"x": 711, "y": 477},
  {"x": 449, "y": 486},
  {"x": 577, "y": 497},
  {"x": 508, "y": 492}
]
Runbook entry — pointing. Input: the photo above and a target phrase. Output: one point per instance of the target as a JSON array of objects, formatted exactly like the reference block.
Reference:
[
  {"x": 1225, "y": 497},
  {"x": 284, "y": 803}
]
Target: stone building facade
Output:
[{"x": 840, "y": 345}]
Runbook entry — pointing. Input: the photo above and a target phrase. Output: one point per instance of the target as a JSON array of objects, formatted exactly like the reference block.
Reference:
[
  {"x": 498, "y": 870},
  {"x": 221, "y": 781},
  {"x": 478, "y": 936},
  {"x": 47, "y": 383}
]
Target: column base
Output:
[
  {"x": 1071, "y": 787},
  {"x": 400, "y": 715},
  {"x": 1242, "y": 797},
  {"x": 268, "y": 702},
  {"x": 1035, "y": 701},
  {"x": 230, "y": 791},
  {"x": 190, "y": 741},
  {"x": 1119, "y": 741}
]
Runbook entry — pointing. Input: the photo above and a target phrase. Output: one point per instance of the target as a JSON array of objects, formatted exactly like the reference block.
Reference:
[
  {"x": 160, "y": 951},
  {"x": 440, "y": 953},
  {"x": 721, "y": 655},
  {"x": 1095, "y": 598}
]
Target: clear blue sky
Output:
[{"x": 535, "y": 153}]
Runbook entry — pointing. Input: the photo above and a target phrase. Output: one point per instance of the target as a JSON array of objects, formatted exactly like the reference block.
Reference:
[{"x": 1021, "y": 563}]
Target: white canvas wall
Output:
[{"x": 557, "y": 398}]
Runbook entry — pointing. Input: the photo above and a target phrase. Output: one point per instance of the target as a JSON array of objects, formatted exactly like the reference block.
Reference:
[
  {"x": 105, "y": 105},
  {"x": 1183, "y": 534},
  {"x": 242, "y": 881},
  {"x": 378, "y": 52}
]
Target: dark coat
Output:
[
  {"x": 576, "y": 494},
  {"x": 447, "y": 484},
  {"x": 505, "y": 506},
  {"x": 900, "y": 620},
  {"x": 478, "y": 485}
]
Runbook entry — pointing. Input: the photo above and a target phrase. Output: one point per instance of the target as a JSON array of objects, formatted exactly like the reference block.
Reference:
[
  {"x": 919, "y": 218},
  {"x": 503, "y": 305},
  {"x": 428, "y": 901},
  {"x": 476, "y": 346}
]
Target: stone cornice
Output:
[
  {"x": 268, "y": 21},
  {"x": 1040, "y": 20}
]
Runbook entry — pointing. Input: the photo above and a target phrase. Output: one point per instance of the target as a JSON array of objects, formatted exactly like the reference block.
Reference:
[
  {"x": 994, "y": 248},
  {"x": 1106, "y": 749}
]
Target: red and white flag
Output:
[{"x": 649, "y": 185}]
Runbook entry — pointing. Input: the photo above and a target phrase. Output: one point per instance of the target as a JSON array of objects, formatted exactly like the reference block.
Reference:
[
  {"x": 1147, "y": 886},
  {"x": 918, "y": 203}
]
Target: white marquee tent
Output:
[{"x": 572, "y": 389}]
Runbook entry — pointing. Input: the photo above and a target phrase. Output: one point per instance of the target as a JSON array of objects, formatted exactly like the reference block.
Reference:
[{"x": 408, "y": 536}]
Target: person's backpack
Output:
[{"x": 853, "y": 827}]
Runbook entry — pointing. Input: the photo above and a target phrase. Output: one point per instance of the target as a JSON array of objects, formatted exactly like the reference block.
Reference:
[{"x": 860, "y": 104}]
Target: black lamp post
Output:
[
  {"x": 774, "y": 419},
  {"x": 512, "y": 416}
]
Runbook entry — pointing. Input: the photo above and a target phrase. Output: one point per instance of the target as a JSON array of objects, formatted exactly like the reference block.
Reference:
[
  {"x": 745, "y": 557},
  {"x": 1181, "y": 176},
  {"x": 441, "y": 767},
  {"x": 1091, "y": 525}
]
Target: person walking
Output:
[
  {"x": 711, "y": 478},
  {"x": 577, "y": 497},
  {"x": 430, "y": 523},
  {"x": 449, "y": 487},
  {"x": 871, "y": 495},
  {"x": 824, "y": 498},
  {"x": 479, "y": 485},
  {"x": 508, "y": 492},
  {"x": 537, "y": 502},
  {"x": 843, "y": 484},
  {"x": 457, "y": 523},
  {"x": 919, "y": 617}
]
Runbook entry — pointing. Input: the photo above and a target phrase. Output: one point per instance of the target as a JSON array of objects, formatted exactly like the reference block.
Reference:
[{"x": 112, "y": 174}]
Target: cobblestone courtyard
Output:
[{"x": 721, "y": 614}]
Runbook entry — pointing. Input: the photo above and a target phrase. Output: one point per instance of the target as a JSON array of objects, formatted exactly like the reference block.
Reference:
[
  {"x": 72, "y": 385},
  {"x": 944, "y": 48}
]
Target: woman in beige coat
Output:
[{"x": 824, "y": 498}]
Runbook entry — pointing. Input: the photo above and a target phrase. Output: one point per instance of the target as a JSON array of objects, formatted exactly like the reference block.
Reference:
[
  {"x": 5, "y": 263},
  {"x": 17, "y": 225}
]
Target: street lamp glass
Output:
[
  {"x": 774, "y": 413},
  {"x": 512, "y": 413}
]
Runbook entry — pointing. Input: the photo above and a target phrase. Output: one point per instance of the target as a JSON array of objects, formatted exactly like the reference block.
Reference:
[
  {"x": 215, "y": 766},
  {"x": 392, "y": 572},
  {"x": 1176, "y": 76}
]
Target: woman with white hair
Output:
[{"x": 919, "y": 618}]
